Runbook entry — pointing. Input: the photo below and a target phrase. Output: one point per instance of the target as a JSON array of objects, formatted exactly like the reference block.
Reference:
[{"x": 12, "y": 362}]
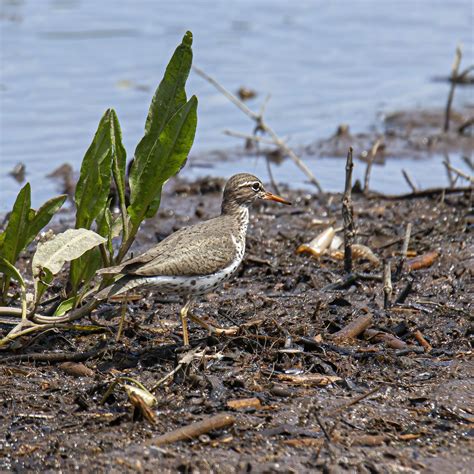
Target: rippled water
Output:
[{"x": 63, "y": 62}]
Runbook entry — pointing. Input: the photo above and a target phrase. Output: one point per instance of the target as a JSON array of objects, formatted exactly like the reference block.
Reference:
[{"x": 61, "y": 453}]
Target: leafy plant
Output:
[
  {"x": 23, "y": 226},
  {"x": 169, "y": 134}
]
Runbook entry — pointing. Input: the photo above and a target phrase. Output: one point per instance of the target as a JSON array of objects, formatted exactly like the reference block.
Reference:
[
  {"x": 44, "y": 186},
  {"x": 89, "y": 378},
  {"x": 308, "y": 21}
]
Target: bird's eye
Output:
[{"x": 256, "y": 187}]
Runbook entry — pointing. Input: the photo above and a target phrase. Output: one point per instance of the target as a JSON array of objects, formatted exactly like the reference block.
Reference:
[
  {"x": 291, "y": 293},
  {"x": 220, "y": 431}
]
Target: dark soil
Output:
[{"x": 419, "y": 420}]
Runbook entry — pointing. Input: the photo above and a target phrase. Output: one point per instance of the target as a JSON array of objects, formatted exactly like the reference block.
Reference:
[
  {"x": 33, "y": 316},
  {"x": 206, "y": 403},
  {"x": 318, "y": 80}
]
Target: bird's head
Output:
[{"x": 243, "y": 190}]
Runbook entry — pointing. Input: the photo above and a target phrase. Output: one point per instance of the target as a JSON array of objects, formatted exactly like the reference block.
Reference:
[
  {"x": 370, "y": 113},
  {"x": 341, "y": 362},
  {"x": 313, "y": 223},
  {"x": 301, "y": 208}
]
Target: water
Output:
[{"x": 63, "y": 62}]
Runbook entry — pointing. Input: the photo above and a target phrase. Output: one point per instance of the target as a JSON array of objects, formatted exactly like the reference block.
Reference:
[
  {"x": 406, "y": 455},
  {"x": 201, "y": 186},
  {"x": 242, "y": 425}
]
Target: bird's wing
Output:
[{"x": 201, "y": 249}]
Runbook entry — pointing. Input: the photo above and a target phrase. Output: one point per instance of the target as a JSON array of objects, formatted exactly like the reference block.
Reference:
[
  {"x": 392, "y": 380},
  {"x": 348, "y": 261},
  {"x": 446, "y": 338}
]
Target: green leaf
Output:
[
  {"x": 104, "y": 228},
  {"x": 8, "y": 269},
  {"x": 165, "y": 159},
  {"x": 42, "y": 282},
  {"x": 119, "y": 157},
  {"x": 42, "y": 217},
  {"x": 84, "y": 268},
  {"x": 65, "y": 306},
  {"x": 17, "y": 228},
  {"x": 93, "y": 187},
  {"x": 169, "y": 97},
  {"x": 63, "y": 248}
]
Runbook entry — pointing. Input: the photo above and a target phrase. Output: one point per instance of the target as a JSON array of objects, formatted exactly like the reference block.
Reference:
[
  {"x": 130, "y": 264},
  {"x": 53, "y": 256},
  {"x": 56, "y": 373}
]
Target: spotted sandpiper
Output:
[{"x": 196, "y": 259}]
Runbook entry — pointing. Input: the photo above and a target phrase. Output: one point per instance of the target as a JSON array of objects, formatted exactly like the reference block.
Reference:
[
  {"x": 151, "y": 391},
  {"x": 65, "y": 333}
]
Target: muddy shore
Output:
[{"x": 318, "y": 403}]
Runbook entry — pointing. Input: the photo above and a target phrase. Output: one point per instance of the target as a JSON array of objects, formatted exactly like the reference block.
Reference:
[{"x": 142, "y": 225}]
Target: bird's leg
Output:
[{"x": 184, "y": 320}]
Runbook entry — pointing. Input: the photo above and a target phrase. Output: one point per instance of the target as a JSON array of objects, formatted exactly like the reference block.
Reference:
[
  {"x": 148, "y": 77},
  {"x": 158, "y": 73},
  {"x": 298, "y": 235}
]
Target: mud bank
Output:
[{"x": 318, "y": 402}]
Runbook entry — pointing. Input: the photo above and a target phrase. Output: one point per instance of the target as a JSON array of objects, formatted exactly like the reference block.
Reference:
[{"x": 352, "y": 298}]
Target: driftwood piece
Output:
[
  {"x": 354, "y": 328},
  {"x": 244, "y": 403},
  {"x": 348, "y": 215},
  {"x": 369, "y": 440},
  {"x": 319, "y": 380},
  {"x": 76, "y": 369},
  {"x": 194, "y": 430},
  {"x": 422, "y": 261}
]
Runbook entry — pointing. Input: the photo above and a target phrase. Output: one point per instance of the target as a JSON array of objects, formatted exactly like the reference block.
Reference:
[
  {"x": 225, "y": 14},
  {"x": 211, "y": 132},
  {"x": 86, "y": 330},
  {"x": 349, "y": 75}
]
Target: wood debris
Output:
[{"x": 194, "y": 430}]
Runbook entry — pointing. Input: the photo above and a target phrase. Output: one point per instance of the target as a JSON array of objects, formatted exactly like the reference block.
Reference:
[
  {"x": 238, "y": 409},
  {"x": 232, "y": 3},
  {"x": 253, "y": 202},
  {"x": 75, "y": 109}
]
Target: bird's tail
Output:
[{"x": 121, "y": 286}]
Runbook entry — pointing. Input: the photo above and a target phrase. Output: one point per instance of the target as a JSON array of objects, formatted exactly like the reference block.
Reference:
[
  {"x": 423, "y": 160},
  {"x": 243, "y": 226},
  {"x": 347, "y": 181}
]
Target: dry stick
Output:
[
  {"x": 448, "y": 171},
  {"x": 419, "y": 337},
  {"x": 356, "y": 400},
  {"x": 454, "y": 75},
  {"x": 327, "y": 435},
  {"x": 460, "y": 173},
  {"x": 430, "y": 192},
  {"x": 270, "y": 174},
  {"x": 469, "y": 161},
  {"x": 347, "y": 215},
  {"x": 194, "y": 429},
  {"x": 465, "y": 125},
  {"x": 405, "y": 292},
  {"x": 123, "y": 311},
  {"x": 261, "y": 125},
  {"x": 387, "y": 284},
  {"x": 403, "y": 257},
  {"x": 388, "y": 339},
  {"x": 354, "y": 328},
  {"x": 409, "y": 181},
  {"x": 254, "y": 138},
  {"x": 372, "y": 155},
  {"x": 97, "y": 351}
]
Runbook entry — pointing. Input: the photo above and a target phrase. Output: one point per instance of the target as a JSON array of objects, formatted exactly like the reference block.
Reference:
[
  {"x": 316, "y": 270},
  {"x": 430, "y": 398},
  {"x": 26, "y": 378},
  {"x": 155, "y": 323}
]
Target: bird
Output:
[{"x": 196, "y": 259}]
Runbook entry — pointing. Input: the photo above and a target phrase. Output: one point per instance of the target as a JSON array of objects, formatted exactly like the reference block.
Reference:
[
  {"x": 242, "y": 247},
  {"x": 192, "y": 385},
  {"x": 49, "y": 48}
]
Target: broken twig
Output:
[
  {"x": 194, "y": 430},
  {"x": 403, "y": 257},
  {"x": 404, "y": 293},
  {"x": 387, "y": 284},
  {"x": 422, "y": 341},
  {"x": 348, "y": 215},
  {"x": 409, "y": 181},
  {"x": 354, "y": 328},
  {"x": 457, "y": 171},
  {"x": 386, "y": 338},
  {"x": 454, "y": 75},
  {"x": 370, "y": 162}
]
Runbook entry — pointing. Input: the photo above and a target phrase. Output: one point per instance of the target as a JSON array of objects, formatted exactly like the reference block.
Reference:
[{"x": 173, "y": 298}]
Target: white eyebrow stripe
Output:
[{"x": 247, "y": 183}]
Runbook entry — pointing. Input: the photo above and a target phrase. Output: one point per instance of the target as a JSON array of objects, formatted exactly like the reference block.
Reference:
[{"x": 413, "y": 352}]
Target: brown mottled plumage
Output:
[{"x": 196, "y": 259}]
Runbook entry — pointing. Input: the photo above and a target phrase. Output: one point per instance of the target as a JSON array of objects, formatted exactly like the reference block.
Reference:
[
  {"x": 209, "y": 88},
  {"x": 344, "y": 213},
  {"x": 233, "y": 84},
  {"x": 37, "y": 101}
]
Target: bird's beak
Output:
[{"x": 273, "y": 197}]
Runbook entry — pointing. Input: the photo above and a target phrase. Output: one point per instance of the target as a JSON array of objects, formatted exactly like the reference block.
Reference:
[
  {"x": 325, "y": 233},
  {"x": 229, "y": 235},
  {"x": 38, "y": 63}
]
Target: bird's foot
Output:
[{"x": 215, "y": 330}]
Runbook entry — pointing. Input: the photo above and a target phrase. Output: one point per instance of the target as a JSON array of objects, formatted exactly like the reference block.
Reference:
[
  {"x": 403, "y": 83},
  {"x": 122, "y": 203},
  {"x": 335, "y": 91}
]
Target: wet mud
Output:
[{"x": 302, "y": 398}]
